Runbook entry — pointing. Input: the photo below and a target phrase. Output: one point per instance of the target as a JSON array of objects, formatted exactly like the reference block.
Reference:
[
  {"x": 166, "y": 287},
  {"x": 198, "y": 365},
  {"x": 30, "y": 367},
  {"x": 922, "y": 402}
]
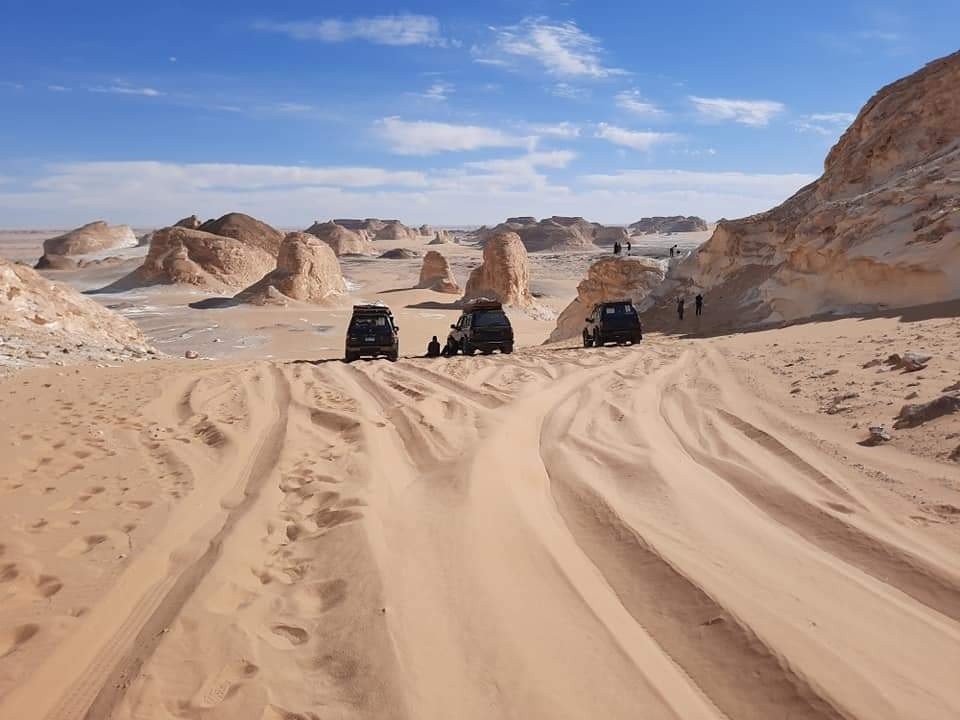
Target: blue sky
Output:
[{"x": 440, "y": 112}]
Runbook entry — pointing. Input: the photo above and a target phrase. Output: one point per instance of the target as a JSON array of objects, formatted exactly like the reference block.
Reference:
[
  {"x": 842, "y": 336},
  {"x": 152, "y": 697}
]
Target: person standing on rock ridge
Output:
[
  {"x": 680, "y": 308},
  {"x": 629, "y": 246},
  {"x": 698, "y": 303}
]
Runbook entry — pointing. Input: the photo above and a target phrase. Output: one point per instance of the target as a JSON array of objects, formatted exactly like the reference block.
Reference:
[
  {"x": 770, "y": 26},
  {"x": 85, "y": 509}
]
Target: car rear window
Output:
[
  {"x": 490, "y": 318},
  {"x": 369, "y": 321},
  {"x": 619, "y": 309}
]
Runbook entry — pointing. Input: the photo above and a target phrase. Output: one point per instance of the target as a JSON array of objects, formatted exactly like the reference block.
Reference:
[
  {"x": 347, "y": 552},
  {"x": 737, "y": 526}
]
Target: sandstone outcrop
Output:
[
  {"x": 504, "y": 274},
  {"x": 396, "y": 230},
  {"x": 608, "y": 235},
  {"x": 556, "y": 233},
  {"x": 879, "y": 229},
  {"x": 43, "y": 321},
  {"x": 400, "y": 254},
  {"x": 192, "y": 223},
  {"x": 179, "y": 255},
  {"x": 442, "y": 237},
  {"x": 668, "y": 224},
  {"x": 435, "y": 274},
  {"x": 608, "y": 279},
  {"x": 92, "y": 237},
  {"x": 341, "y": 240},
  {"x": 307, "y": 270},
  {"x": 247, "y": 230},
  {"x": 55, "y": 262},
  {"x": 425, "y": 230}
]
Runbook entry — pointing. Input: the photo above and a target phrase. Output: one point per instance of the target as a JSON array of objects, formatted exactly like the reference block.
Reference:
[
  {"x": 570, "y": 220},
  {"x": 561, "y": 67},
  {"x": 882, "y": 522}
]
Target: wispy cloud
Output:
[
  {"x": 642, "y": 140},
  {"x": 438, "y": 91},
  {"x": 126, "y": 90},
  {"x": 560, "y": 48},
  {"x": 58, "y": 88},
  {"x": 827, "y": 124},
  {"x": 632, "y": 101},
  {"x": 420, "y": 137},
  {"x": 557, "y": 130},
  {"x": 754, "y": 113},
  {"x": 396, "y": 30},
  {"x": 11, "y": 85},
  {"x": 570, "y": 92},
  {"x": 526, "y": 163}
]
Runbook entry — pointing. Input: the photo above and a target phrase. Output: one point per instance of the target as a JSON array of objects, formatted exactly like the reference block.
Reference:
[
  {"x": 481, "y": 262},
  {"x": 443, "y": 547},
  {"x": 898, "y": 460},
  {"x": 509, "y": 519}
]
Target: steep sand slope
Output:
[{"x": 620, "y": 533}]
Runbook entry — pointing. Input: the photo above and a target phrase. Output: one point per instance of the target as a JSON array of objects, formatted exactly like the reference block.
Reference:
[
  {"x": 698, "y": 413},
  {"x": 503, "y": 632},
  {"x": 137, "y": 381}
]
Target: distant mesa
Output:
[
  {"x": 504, "y": 274},
  {"x": 556, "y": 233},
  {"x": 341, "y": 239},
  {"x": 400, "y": 254},
  {"x": 879, "y": 229},
  {"x": 92, "y": 237},
  {"x": 608, "y": 279},
  {"x": 43, "y": 319},
  {"x": 435, "y": 274},
  {"x": 246, "y": 229},
  {"x": 307, "y": 271},
  {"x": 668, "y": 224},
  {"x": 180, "y": 256}
]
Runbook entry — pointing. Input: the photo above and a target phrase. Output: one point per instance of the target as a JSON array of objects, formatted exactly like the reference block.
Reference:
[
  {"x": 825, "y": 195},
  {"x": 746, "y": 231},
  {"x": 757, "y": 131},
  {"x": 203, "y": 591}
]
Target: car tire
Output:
[
  {"x": 587, "y": 340},
  {"x": 350, "y": 357},
  {"x": 506, "y": 349},
  {"x": 597, "y": 339},
  {"x": 468, "y": 349}
]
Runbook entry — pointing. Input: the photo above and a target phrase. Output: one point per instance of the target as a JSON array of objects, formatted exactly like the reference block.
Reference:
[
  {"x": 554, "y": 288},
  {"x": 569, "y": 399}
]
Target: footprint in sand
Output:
[
  {"x": 225, "y": 683},
  {"x": 12, "y": 638},
  {"x": 296, "y": 635},
  {"x": 81, "y": 546}
]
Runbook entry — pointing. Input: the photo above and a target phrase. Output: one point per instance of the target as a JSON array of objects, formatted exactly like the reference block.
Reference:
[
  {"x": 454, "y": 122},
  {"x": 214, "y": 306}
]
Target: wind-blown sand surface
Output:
[{"x": 660, "y": 531}]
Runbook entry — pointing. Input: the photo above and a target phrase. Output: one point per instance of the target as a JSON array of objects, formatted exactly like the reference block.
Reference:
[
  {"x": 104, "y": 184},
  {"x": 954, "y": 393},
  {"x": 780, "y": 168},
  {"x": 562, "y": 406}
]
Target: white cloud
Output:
[
  {"x": 632, "y": 101},
  {"x": 420, "y": 137},
  {"x": 557, "y": 130},
  {"x": 561, "y": 48},
  {"x": 637, "y": 139},
  {"x": 826, "y": 124},
  {"x": 11, "y": 85},
  {"x": 438, "y": 91},
  {"x": 568, "y": 91},
  {"x": 58, "y": 88},
  {"x": 396, "y": 30},
  {"x": 292, "y": 196},
  {"x": 755, "y": 113},
  {"x": 172, "y": 58},
  {"x": 126, "y": 90}
]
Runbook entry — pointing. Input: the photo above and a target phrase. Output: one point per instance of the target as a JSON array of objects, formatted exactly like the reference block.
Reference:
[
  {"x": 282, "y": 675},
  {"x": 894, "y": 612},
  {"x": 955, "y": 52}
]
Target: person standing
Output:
[
  {"x": 698, "y": 302},
  {"x": 628, "y": 247},
  {"x": 680, "y": 308}
]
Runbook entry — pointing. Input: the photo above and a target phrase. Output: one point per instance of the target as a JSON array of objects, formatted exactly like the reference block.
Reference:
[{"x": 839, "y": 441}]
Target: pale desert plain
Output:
[{"x": 701, "y": 525}]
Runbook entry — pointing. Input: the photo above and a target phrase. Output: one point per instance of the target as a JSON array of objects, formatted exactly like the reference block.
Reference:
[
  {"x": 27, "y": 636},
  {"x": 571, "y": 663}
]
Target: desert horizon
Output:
[{"x": 309, "y": 447}]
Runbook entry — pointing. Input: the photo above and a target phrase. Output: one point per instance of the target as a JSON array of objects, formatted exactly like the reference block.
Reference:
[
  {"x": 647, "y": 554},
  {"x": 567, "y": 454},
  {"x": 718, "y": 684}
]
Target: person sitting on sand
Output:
[{"x": 433, "y": 348}]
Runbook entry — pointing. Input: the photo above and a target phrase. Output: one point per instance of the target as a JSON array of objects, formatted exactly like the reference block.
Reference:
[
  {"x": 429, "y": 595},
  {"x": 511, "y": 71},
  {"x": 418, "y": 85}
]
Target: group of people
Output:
[
  {"x": 698, "y": 305},
  {"x": 618, "y": 248}
]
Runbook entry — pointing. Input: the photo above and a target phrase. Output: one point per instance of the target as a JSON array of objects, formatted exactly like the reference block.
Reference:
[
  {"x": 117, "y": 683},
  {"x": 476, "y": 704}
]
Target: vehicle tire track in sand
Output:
[{"x": 103, "y": 681}]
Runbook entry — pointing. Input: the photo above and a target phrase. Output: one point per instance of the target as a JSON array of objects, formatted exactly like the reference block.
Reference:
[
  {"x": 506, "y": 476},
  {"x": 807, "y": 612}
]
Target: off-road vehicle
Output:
[
  {"x": 372, "y": 333},
  {"x": 616, "y": 321},
  {"x": 483, "y": 326}
]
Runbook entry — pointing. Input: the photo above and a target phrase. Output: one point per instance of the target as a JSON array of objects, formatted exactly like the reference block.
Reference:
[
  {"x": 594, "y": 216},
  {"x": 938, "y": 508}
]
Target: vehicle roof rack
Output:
[
  {"x": 371, "y": 307},
  {"x": 483, "y": 304}
]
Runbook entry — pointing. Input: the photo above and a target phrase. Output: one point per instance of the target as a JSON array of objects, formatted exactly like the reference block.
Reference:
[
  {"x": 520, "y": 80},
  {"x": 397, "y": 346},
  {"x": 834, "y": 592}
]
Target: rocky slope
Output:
[
  {"x": 435, "y": 274},
  {"x": 342, "y": 240},
  {"x": 92, "y": 237},
  {"x": 668, "y": 224},
  {"x": 610, "y": 278},
  {"x": 43, "y": 322},
  {"x": 192, "y": 223},
  {"x": 879, "y": 229},
  {"x": 246, "y": 229},
  {"x": 307, "y": 270},
  {"x": 178, "y": 255},
  {"x": 504, "y": 274}
]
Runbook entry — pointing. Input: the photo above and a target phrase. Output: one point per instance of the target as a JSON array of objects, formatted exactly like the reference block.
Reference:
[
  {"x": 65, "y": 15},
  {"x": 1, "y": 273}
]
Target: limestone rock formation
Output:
[
  {"x": 341, "y": 240},
  {"x": 504, "y": 274},
  {"x": 247, "y": 230},
  {"x": 880, "y": 228},
  {"x": 396, "y": 230},
  {"x": 442, "y": 237},
  {"x": 192, "y": 222},
  {"x": 556, "y": 233},
  {"x": 425, "y": 230},
  {"x": 400, "y": 254},
  {"x": 307, "y": 270},
  {"x": 179, "y": 255},
  {"x": 610, "y": 278},
  {"x": 56, "y": 262},
  {"x": 610, "y": 234},
  {"x": 668, "y": 224},
  {"x": 435, "y": 274},
  {"x": 43, "y": 321},
  {"x": 92, "y": 237}
]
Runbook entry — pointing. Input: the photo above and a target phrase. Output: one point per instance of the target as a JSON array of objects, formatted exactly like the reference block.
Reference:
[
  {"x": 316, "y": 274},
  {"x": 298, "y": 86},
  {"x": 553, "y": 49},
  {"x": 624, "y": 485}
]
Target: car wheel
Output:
[
  {"x": 597, "y": 340},
  {"x": 468, "y": 349},
  {"x": 587, "y": 340},
  {"x": 506, "y": 349},
  {"x": 350, "y": 357}
]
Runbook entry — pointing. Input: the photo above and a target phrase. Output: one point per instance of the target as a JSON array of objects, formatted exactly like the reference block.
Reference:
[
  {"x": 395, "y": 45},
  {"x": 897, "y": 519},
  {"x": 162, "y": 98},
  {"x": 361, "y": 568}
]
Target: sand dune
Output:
[{"x": 629, "y": 532}]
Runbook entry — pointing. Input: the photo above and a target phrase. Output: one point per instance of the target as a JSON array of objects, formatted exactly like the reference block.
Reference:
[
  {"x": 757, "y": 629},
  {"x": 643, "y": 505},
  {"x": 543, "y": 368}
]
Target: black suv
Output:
[
  {"x": 615, "y": 321},
  {"x": 372, "y": 333},
  {"x": 482, "y": 326}
]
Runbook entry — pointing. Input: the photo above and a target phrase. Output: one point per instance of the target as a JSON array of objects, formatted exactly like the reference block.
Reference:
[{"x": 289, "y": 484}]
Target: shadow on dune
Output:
[
  {"x": 434, "y": 305},
  {"x": 214, "y": 303}
]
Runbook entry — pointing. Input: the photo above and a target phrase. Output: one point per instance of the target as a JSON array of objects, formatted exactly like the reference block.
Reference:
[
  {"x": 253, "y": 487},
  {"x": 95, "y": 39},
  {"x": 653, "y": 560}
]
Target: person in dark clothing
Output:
[
  {"x": 680, "y": 308},
  {"x": 433, "y": 348},
  {"x": 628, "y": 247},
  {"x": 616, "y": 248},
  {"x": 671, "y": 252},
  {"x": 698, "y": 301}
]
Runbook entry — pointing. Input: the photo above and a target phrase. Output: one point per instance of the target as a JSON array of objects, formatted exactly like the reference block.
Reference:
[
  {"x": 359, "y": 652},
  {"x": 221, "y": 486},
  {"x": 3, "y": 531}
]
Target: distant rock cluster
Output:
[{"x": 668, "y": 224}]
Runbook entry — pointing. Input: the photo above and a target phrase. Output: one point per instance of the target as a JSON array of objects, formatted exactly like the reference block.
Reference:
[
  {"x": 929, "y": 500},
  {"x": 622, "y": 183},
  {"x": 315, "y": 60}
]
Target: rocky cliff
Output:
[{"x": 879, "y": 229}]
